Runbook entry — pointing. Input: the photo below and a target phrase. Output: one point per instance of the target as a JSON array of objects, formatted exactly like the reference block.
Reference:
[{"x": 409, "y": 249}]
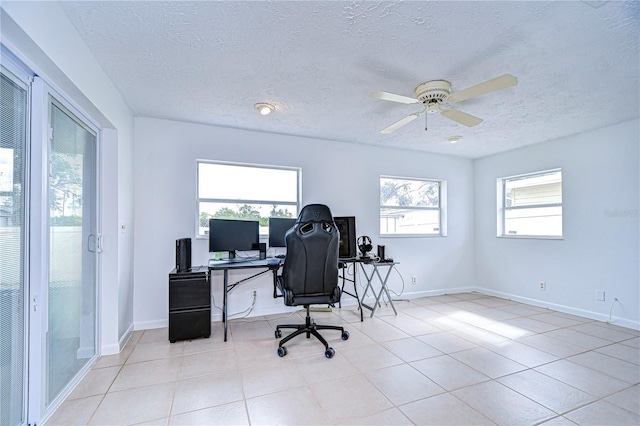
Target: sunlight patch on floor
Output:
[{"x": 491, "y": 325}]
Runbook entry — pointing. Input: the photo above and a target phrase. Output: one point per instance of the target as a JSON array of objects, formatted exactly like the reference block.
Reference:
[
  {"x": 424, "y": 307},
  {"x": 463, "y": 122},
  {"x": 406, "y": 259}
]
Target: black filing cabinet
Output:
[{"x": 189, "y": 304}]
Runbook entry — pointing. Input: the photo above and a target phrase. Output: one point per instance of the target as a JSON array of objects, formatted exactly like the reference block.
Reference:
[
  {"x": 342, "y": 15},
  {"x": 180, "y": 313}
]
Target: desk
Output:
[
  {"x": 342, "y": 266},
  {"x": 225, "y": 267},
  {"x": 375, "y": 272}
]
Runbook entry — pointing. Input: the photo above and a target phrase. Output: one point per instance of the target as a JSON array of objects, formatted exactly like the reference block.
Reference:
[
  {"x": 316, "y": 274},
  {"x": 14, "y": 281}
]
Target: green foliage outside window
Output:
[{"x": 244, "y": 212}]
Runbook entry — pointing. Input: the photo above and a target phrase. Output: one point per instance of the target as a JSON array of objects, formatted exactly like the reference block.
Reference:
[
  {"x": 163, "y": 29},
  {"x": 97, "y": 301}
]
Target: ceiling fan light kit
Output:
[{"x": 434, "y": 93}]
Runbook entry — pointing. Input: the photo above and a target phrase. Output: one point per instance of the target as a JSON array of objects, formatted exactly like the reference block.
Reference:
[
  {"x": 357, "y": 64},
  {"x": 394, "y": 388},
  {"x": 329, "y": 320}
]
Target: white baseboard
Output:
[
  {"x": 125, "y": 336},
  {"x": 115, "y": 348},
  {"x": 622, "y": 322},
  {"x": 274, "y": 310},
  {"x": 438, "y": 292},
  {"x": 150, "y": 325},
  {"x": 111, "y": 349}
]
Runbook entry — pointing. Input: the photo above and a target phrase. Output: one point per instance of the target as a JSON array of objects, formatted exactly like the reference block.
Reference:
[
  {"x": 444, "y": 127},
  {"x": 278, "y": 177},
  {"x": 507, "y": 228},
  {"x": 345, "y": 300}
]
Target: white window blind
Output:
[{"x": 13, "y": 136}]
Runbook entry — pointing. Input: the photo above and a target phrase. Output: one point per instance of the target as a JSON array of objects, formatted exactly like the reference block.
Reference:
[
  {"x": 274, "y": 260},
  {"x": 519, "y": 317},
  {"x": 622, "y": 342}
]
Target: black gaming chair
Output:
[{"x": 310, "y": 272}]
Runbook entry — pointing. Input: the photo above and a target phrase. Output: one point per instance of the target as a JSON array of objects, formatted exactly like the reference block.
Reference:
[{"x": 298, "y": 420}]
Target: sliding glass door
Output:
[
  {"x": 49, "y": 245},
  {"x": 13, "y": 291},
  {"x": 73, "y": 246}
]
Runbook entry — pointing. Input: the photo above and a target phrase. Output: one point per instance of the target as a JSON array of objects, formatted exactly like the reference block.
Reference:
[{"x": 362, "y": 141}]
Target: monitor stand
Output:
[{"x": 233, "y": 258}]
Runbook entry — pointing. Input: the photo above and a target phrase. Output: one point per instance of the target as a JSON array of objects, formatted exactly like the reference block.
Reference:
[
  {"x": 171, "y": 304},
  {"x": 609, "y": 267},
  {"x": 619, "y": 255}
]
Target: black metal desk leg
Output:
[
  {"x": 355, "y": 290},
  {"x": 275, "y": 283},
  {"x": 224, "y": 303}
]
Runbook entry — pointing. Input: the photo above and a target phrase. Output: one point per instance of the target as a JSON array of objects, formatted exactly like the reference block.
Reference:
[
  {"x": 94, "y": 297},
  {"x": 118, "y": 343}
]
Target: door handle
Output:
[{"x": 94, "y": 243}]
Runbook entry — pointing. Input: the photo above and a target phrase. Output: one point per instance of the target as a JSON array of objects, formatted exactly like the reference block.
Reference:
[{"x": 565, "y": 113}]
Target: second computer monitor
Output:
[
  {"x": 230, "y": 235},
  {"x": 278, "y": 227},
  {"x": 347, "y": 228}
]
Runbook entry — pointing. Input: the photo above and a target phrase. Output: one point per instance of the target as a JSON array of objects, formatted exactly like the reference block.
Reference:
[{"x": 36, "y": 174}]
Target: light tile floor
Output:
[{"x": 455, "y": 359}]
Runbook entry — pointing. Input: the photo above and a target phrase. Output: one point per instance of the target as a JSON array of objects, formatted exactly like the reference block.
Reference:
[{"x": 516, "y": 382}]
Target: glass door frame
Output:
[
  {"x": 42, "y": 95},
  {"x": 12, "y": 68}
]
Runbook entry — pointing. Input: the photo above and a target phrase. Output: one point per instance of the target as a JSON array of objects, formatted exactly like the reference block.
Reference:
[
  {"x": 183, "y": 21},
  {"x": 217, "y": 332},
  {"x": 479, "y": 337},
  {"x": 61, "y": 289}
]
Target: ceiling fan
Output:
[{"x": 435, "y": 96}]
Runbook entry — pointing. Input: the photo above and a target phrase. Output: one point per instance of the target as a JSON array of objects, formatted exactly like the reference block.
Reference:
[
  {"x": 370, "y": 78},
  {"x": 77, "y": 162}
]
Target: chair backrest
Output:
[{"x": 310, "y": 270}]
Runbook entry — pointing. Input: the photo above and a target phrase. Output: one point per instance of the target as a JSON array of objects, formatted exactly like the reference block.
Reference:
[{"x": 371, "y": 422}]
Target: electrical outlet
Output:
[
  {"x": 600, "y": 295},
  {"x": 414, "y": 280},
  {"x": 543, "y": 286}
]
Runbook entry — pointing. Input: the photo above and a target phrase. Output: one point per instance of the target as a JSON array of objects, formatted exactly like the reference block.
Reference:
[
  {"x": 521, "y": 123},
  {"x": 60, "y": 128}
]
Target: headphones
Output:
[{"x": 364, "y": 244}]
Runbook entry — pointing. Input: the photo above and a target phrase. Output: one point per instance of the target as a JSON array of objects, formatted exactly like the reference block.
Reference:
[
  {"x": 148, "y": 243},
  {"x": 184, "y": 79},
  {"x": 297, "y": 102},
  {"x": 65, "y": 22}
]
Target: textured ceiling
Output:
[{"x": 577, "y": 64}]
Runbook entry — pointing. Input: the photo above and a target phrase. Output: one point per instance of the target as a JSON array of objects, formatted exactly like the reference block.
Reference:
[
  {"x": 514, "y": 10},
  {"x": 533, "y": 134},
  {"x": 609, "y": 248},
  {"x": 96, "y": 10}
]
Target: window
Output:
[
  {"x": 530, "y": 205},
  {"x": 412, "y": 207},
  {"x": 245, "y": 191}
]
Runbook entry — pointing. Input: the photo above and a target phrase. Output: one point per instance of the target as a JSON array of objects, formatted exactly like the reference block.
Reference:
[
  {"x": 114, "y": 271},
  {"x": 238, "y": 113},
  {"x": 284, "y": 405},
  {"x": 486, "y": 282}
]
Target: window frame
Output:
[
  {"x": 199, "y": 200},
  {"x": 502, "y": 208},
  {"x": 442, "y": 208}
]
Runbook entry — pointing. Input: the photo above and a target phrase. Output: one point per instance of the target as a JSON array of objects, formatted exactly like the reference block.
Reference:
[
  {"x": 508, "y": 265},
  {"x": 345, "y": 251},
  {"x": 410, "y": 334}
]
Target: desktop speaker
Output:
[
  {"x": 381, "y": 253},
  {"x": 183, "y": 254},
  {"x": 263, "y": 250}
]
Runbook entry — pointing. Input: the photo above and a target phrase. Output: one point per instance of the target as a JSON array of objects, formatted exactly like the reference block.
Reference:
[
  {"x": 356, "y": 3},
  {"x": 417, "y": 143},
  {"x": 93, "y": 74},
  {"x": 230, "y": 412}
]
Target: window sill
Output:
[
  {"x": 529, "y": 237},
  {"x": 412, "y": 236}
]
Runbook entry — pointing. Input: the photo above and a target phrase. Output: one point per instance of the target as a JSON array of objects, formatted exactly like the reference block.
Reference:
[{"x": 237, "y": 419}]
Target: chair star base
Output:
[{"x": 309, "y": 328}]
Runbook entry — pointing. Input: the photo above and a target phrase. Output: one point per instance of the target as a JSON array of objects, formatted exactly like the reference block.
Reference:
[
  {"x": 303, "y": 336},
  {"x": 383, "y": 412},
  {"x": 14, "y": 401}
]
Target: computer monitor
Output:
[
  {"x": 233, "y": 235},
  {"x": 347, "y": 228},
  {"x": 278, "y": 227}
]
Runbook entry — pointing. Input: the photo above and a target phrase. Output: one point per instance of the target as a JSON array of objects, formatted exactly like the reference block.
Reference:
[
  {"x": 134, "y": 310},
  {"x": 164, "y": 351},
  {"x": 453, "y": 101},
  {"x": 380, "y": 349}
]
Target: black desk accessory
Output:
[
  {"x": 183, "y": 254},
  {"x": 189, "y": 304}
]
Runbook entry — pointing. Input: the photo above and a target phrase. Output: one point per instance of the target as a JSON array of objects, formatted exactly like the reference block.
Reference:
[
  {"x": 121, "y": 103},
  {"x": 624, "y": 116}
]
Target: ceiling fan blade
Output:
[
  {"x": 461, "y": 117},
  {"x": 488, "y": 86},
  {"x": 386, "y": 96},
  {"x": 395, "y": 126}
]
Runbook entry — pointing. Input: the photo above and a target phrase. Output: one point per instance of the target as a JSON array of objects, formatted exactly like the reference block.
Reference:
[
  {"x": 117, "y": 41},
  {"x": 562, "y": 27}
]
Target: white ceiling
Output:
[{"x": 577, "y": 64}]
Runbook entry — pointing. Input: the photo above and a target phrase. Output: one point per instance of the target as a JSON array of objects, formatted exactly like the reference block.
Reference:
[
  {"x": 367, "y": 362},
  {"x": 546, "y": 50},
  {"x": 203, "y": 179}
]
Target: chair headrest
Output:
[{"x": 315, "y": 213}]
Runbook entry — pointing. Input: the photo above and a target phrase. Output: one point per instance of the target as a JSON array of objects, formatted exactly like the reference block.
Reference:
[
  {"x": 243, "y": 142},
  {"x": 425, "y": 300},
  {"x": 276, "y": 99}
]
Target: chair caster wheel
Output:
[
  {"x": 329, "y": 353},
  {"x": 345, "y": 335},
  {"x": 282, "y": 351},
  {"x": 278, "y": 334}
]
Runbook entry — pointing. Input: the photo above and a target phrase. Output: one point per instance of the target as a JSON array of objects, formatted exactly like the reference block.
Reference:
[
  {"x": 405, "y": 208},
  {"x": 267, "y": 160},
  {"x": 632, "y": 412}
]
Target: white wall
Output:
[
  {"x": 600, "y": 249},
  {"x": 40, "y": 34},
  {"x": 341, "y": 175}
]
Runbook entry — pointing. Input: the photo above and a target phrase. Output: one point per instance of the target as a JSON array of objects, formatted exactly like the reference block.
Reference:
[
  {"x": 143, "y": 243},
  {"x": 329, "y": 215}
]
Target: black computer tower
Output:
[
  {"x": 189, "y": 304},
  {"x": 347, "y": 229},
  {"x": 183, "y": 254}
]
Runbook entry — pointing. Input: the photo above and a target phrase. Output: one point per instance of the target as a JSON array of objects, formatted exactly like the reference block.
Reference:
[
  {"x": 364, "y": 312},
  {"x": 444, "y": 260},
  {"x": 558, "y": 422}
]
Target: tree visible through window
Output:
[
  {"x": 247, "y": 192},
  {"x": 410, "y": 206}
]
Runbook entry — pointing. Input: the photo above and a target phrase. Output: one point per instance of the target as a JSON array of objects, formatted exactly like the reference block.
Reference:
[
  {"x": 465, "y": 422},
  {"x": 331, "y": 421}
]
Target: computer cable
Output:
[
  {"x": 401, "y": 291},
  {"x": 213, "y": 303},
  {"x": 247, "y": 311},
  {"x": 615, "y": 299},
  {"x": 260, "y": 319},
  {"x": 250, "y": 308}
]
